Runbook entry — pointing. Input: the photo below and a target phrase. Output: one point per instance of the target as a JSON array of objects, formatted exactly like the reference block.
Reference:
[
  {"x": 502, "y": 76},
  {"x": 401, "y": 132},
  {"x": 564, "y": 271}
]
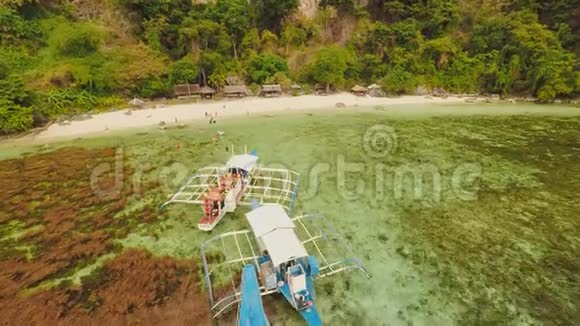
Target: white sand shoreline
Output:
[
  {"x": 104, "y": 123},
  {"x": 183, "y": 113}
]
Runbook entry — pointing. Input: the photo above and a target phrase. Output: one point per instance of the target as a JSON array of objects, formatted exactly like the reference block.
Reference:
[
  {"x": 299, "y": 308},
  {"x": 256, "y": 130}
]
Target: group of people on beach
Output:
[{"x": 212, "y": 117}]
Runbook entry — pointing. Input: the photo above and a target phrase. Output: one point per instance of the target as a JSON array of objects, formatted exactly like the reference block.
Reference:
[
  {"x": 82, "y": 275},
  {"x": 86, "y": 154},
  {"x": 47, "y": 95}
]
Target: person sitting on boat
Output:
[
  {"x": 214, "y": 209},
  {"x": 223, "y": 182},
  {"x": 301, "y": 302},
  {"x": 234, "y": 173}
]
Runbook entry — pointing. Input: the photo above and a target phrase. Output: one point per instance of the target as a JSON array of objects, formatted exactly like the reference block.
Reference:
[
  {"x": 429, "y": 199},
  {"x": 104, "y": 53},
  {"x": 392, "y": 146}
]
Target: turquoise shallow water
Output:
[{"x": 443, "y": 209}]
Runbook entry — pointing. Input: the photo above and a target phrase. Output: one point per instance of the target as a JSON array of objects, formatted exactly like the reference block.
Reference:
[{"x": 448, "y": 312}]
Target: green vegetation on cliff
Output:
[{"x": 63, "y": 57}]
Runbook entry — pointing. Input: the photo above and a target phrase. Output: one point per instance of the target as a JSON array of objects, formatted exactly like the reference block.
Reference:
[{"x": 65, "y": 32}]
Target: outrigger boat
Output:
[
  {"x": 276, "y": 260},
  {"x": 240, "y": 181}
]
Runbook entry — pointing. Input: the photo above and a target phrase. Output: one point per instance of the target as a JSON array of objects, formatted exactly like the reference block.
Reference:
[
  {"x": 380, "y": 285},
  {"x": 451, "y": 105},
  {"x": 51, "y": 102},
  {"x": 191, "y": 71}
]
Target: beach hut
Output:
[
  {"x": 271, "y": 90},
  {"x": 359, "y": 90},
  {"x": 186, "y": 90},
  {"x": 238, "y": 90},
  {"x": 206, "y": 92}
]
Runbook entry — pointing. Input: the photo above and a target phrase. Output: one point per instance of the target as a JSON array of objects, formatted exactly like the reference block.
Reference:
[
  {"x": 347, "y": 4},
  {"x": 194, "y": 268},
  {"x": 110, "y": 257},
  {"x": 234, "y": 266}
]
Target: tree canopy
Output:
[
  {"x": 329, "y": 65},
  {"x": 264, "y": 66}
]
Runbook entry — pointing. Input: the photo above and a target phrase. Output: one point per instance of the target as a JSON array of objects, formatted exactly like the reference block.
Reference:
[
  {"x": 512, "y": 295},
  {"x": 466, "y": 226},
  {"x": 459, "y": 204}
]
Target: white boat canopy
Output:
[
  {"x": 283, "y": 245},
  {"x": 268, "y": 218},
  {"x": 274, "y": 230},
  {"x": 246, "y": 162}
]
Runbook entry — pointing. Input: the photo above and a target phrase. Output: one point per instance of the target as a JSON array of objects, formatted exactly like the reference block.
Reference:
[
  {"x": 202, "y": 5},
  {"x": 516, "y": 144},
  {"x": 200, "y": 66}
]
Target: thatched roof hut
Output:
[
  {"x": 236, "y": 90},
  {"x": 271, "y": 90},
  {"x": 359, "y": 90},
  {"x": 185, "y": 90},
  {"x": 206, "y": 92}
]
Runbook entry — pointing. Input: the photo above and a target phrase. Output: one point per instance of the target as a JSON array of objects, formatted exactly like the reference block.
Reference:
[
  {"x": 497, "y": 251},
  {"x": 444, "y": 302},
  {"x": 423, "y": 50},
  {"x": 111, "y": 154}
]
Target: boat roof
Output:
[
  {"x": 274, "y": 227},
  {"x": 245, "y": 161},
  {"x": 268, "y": 218},
  {"x": 283, "y": 245}
]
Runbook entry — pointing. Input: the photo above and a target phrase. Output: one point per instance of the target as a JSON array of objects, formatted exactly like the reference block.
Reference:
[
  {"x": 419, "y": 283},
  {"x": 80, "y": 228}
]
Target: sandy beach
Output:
[
  {"x": 169, "y": 115},
  {"x": 182, "y": 113}
]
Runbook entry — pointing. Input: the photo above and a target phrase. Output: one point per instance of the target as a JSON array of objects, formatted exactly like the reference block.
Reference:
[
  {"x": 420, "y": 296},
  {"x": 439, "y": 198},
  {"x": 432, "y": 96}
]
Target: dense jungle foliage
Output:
[{"x": 62, "y": 57}]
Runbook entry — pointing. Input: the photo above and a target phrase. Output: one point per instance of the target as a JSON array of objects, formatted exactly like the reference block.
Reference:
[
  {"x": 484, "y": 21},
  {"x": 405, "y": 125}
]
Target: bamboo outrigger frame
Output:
[
  {"x": 269, "y": 185},
  {"x": 314, "y": 232}
]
